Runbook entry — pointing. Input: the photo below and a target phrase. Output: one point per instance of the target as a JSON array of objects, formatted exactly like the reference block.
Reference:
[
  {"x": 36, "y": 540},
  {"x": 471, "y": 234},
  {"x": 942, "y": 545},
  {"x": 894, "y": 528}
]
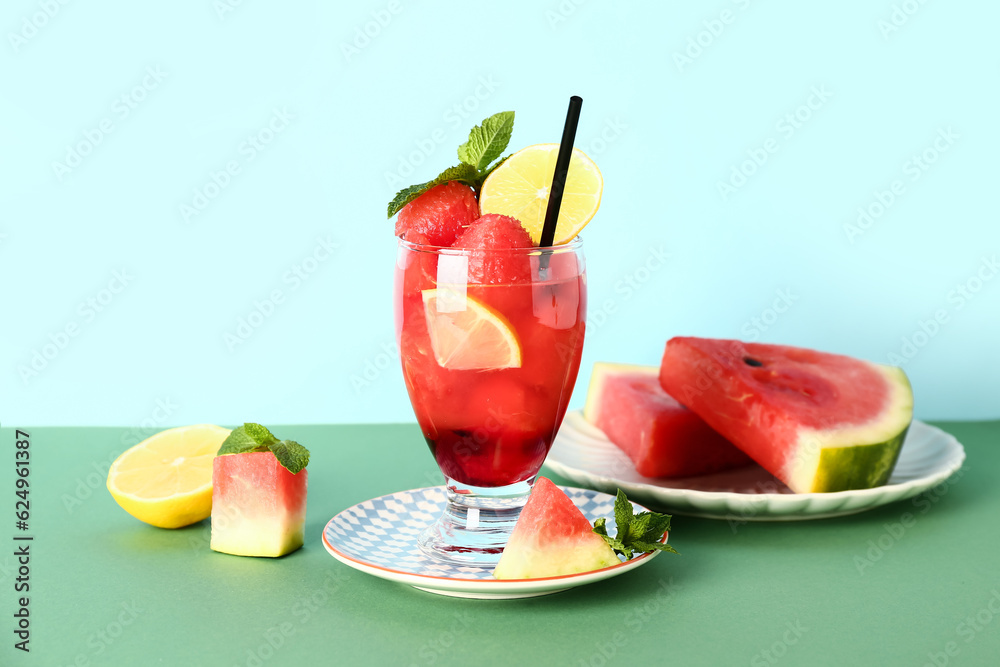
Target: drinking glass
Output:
[{"x": 490, "y": 343}]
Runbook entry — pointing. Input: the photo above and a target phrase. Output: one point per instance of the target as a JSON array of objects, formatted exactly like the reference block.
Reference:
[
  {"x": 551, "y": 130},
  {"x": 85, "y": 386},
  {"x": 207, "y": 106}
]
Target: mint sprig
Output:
[
  {"x": 464, "y": 173},
  {"x": 637, "y": 533},
  {"x": 253, "y": 437},
  {"x": 487, "y": 141},
  {"x": 485, "y": 144}
]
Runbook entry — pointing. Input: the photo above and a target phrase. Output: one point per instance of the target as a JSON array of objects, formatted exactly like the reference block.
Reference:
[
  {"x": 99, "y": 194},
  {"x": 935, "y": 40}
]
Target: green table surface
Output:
[{"x": 912, "y": 583}]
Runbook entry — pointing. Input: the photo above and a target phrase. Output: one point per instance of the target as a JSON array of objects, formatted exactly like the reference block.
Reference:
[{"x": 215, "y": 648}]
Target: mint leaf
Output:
[
  {"x": 601, "y": 529},
  {"x": 653, "y": 546},
  {"x": 256, "y": 438},
  {"x": 623, "y": 513},
  {"x": 487, "y": 141},
  {"x": 658, "y": 524},
  {"x": 463, "y": 173},
  {"x": 293, "y": 456},
  {"x": 238, "y": 442},
  {"x": 637, "y": 533},
  {"x": 259, "y": 433}
]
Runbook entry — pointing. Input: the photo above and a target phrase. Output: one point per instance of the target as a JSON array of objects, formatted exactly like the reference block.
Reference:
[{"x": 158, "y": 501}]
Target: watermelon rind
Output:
[
  {"x": 552, "y": 538},
  {"x": 854, "y": 457},
  {"x": 255, "y": 537},
  {"x": 599, "y": 375}
]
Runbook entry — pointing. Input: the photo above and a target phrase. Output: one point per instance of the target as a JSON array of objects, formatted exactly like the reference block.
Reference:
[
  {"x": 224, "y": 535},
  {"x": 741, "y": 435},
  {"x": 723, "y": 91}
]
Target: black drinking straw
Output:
[{"x": 562, "y": 169}]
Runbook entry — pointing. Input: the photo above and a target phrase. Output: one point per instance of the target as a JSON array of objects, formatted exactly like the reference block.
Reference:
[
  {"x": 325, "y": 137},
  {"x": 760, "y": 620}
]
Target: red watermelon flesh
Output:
[
  {"x": 492, "y": 261},
  {"x": 438, "y": 216},
  {"x": 817, "y": 421},
  {"x": 258, "y": 506},
  {"x": 552, "y": 538},
  {"x": 661, "y": 436}
]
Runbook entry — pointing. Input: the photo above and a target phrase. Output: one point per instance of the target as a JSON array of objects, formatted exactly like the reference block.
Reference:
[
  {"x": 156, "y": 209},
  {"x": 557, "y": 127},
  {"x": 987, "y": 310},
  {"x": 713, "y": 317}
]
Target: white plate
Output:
[
  {"x": 583, "y": 453},
  {"x": 379, "y": 536}
]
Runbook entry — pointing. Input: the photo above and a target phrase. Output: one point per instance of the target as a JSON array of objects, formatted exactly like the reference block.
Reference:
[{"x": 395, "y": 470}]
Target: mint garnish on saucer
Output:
[
  {"x": 485, "y": 144},
  {"x": 256, "y": 438},
  {"x": 637, "y": 533}
]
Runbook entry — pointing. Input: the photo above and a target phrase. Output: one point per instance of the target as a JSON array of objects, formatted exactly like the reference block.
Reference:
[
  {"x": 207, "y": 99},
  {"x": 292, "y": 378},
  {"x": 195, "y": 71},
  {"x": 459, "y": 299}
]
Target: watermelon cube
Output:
[
  {"x": 258, "y": 506},
  {"x": 817, "y": 421},
  {"x": 661, "y": 436},
  {"x": 552, "y": 537}
]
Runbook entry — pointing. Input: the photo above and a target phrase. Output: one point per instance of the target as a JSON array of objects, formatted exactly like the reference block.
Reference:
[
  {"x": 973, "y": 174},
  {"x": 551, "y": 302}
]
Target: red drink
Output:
[{"x": 490, "y": 410}]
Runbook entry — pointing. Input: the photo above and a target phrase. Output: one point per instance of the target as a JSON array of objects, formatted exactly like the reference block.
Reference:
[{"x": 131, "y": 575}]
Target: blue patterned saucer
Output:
[{"x": 379, "y": 536}]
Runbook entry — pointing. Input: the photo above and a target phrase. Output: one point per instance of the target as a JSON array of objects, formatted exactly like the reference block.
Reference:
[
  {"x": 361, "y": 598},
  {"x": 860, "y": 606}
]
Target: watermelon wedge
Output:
[
  {"x": 661, "y": 436},
  {"x": 819, "y": 422},
  {"x": 258, "y": 506},
  {"x": 552, "y": 537}
]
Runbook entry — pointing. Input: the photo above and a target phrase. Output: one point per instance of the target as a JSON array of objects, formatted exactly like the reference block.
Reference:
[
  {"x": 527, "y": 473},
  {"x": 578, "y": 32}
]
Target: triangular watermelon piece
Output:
[
  {"x": 819, "y": 422},
  {"x": 552, "y": 538},
  {"x": 662, "y": 437}
]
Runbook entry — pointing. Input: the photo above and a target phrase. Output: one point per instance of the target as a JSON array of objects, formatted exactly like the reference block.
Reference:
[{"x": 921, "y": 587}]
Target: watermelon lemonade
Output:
[
  {"x": 490, "y": 310},
  {"x": 490, "y": 342},
  {"x": 490, "y": 411}
]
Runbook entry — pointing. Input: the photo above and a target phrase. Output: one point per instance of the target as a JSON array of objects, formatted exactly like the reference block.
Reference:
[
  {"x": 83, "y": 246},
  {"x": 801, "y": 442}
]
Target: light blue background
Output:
[{"x": 665, "y": 134}]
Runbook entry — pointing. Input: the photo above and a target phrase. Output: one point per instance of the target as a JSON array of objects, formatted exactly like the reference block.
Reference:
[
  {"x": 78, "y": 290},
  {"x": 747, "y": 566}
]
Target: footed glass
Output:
[{"x": 490, "y": 343}]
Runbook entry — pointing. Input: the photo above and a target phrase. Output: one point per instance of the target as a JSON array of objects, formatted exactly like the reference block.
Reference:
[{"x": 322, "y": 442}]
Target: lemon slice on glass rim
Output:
[{"x": 520, "y": 188}]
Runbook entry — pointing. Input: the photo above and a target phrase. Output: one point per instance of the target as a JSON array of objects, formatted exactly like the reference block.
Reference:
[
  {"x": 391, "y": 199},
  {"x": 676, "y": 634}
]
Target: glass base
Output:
[{"x": 476, "y": 523}]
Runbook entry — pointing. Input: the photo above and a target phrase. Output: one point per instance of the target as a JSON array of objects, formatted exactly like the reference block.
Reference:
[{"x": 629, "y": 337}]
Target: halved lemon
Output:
[
  {"x": 467, "y": 334},
  {"x": 520, "y": 188},
  {"x": 166, "y": 480}
]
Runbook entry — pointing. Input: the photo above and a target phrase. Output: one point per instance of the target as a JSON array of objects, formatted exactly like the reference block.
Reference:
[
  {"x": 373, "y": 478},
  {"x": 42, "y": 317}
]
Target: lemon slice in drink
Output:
[
  {"x": 520, "y": 188},
  {"x": 467, "y": 334},
  {"x": 166, "y": 480}
]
